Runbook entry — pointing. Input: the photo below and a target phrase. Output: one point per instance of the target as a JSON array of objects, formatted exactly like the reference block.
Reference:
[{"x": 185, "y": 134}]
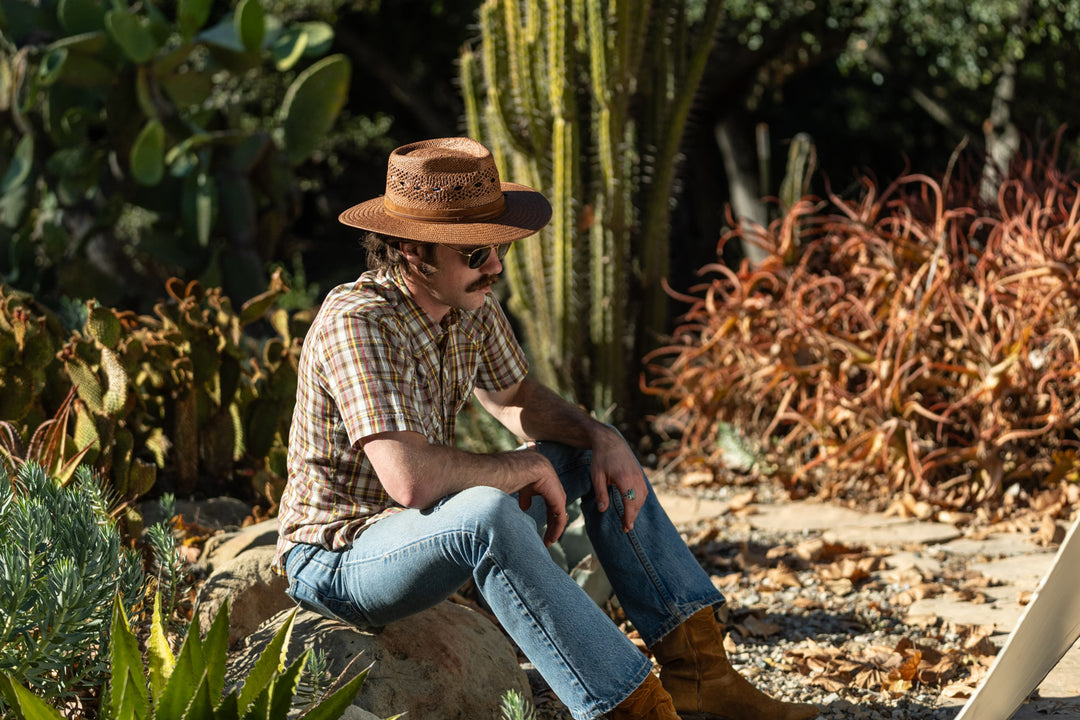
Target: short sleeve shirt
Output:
[{"x": 373, "y": 361}]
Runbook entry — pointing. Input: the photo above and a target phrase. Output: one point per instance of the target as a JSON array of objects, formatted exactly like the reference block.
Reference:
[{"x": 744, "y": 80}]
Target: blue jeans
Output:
[{"x": 415, "y": 559}]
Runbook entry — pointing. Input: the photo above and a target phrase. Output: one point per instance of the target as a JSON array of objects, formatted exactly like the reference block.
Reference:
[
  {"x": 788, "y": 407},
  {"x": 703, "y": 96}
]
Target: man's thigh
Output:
[{"x": 402, "y": 564}]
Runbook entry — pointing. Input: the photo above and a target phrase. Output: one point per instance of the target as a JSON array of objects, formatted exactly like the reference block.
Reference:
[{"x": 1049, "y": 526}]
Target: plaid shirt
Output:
[{"x": 373, "y": 362}]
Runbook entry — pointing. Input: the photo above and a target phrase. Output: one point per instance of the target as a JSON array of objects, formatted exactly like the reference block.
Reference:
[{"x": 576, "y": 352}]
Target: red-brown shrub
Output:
[{"x": 910, "y": 341}]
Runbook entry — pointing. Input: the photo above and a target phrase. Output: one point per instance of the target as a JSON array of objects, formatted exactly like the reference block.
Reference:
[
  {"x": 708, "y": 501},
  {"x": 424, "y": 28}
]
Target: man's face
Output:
[{"x": 453, "y": 283}]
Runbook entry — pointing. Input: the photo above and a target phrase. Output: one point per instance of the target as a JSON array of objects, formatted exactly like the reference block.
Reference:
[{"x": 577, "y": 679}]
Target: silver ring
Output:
[{"x": 629, "y": 494}]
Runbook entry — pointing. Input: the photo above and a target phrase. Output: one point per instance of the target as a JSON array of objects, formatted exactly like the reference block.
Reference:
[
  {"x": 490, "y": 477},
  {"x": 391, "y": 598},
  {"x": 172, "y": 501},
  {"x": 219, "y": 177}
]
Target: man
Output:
[{"x": 382, "y": 517}]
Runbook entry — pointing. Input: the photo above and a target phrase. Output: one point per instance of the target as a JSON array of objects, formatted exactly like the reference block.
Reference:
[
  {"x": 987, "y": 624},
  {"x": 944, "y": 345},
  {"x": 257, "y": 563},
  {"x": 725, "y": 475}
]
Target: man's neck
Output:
[{"x": 421, "y": 295}]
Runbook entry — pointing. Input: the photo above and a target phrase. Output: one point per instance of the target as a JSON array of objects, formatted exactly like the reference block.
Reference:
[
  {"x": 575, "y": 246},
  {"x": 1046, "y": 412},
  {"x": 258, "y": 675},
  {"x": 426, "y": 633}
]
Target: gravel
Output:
[{"x": 819, "y": 613}]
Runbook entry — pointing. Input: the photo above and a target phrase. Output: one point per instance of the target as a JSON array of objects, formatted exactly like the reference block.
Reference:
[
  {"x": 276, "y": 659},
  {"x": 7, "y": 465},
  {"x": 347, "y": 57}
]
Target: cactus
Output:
[
  {"x": 587, "y": 101},
  {"x": 141, "y": 133},
  {"x": 184, "y": 391}
]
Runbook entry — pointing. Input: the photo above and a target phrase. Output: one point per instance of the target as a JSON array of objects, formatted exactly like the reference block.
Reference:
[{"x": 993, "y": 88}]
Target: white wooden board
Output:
[{"x": 1048, "y": 627}]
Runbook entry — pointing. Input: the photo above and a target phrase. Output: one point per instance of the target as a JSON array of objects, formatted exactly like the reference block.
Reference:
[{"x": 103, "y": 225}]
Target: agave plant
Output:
[{"x": 191, "y": 684}]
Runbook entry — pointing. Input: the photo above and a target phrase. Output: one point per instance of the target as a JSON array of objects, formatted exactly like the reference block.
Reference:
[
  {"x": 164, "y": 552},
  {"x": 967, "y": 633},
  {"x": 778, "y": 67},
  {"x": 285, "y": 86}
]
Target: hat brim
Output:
[{"x": 527, "y": 211}]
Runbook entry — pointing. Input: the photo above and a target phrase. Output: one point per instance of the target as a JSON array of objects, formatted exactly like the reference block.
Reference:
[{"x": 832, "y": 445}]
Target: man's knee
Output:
[{"x": 492, "y": 511}]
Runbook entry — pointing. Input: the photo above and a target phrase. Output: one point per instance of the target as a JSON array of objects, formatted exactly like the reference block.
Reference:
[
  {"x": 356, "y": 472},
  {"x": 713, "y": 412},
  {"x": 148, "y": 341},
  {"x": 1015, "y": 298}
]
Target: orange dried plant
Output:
[{"x": 910, "y": 341}]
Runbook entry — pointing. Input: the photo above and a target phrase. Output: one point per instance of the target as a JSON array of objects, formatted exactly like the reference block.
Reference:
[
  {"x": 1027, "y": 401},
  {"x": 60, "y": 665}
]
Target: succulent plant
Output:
[
  {"x": 191, "y": 684},
  {"x": 137, "y": 148},
  {"x": 62, "y": 562}
]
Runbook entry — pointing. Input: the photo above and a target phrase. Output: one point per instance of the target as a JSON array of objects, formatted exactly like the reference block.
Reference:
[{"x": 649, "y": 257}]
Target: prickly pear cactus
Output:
[
  {"x": 139, "y": 130},
  {"x": 185, "y": 392}
]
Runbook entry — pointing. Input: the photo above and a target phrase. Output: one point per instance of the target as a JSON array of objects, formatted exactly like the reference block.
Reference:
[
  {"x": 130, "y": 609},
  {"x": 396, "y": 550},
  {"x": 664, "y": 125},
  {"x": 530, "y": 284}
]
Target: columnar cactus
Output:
[{"x": 587, "y": 101}]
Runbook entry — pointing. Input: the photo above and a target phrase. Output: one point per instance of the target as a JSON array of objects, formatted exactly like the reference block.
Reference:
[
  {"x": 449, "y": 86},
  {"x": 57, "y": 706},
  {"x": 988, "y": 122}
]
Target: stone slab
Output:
[
  {"x": 809, "y": 515},
  {"x": 685, "y": 510},
  {"x": 1002, "y": 613},
  {"x": 994, "y": 546},
  {"x": 1023, "y": 572},
  {"x": 896, "y": 534}
]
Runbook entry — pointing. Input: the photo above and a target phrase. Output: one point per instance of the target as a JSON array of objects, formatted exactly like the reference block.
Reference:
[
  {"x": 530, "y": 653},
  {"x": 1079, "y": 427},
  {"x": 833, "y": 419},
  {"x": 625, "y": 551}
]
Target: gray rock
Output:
[
  {"x": 223, "y": 547},
  {"x": 255, "y": 593},
  {"x": 216, "y": 513},
  {"x": 445, "y": 663}
]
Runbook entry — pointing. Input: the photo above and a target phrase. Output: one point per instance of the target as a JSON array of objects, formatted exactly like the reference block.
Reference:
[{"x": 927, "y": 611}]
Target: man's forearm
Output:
[
  {"x": 417, "y": 473},
  {"x": 534, "y": 412}
]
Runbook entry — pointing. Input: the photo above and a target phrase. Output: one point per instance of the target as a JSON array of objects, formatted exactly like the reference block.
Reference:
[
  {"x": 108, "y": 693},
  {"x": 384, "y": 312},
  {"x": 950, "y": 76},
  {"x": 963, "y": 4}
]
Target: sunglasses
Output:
[{"x": 478, "y": 256}]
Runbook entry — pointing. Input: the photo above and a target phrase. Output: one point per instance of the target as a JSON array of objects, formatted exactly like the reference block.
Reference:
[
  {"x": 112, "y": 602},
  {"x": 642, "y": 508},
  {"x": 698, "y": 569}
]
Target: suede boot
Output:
[
  {"x": 649, "y": 702},
  {"x": 695, "y": 671}
]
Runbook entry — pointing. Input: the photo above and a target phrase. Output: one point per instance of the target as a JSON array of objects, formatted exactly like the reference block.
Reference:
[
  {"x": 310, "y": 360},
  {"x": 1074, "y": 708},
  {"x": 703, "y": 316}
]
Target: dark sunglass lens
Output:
[
  {"x": 502, "y": 250},
  {"x": 478, "y": 257}
]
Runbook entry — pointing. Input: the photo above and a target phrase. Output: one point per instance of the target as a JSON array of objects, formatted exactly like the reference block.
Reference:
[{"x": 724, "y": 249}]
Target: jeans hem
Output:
[
  {"x": 601, "y": 709},
  {"x": 684, "y": 613}
]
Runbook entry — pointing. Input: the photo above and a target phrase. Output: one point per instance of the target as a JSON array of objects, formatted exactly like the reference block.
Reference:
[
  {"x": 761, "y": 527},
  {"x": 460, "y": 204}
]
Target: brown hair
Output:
[{"x": 384, "y": 254}]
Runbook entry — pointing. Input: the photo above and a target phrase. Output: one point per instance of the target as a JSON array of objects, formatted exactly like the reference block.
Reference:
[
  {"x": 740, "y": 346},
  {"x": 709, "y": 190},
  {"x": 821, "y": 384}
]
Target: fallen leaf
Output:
[{"x": 919, "y": 592}]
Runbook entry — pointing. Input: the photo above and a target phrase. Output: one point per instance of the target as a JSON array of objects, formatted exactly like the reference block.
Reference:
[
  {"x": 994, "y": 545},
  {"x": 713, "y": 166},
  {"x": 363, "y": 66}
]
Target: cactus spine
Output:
[{"x": 586, "y": 101}]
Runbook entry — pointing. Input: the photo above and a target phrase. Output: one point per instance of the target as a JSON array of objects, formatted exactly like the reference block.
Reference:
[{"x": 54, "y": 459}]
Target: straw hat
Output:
[{"x": 448, "y": 191}]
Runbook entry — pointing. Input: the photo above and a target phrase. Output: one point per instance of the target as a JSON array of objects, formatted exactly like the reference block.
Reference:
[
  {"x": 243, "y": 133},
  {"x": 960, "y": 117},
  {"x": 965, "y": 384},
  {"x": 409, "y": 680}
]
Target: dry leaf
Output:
[
  {"x": 782, "y": 576},
  {"x": 697, "y": 478},
  {"x": 916, "y": 593},
  {"x": 740, "y": 502},
  {"x": 753, "y": 627}
]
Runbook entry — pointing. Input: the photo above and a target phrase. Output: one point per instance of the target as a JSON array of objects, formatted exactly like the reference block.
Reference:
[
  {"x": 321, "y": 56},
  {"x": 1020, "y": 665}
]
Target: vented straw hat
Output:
[{"x": 448, "y": 191}]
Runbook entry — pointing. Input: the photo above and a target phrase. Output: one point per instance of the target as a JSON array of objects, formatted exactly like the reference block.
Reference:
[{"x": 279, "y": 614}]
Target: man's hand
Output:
[
  {"x": 614, "y": 464},
  {"x": 418, "y": 474},
  {"x": 551, "y": 491}
]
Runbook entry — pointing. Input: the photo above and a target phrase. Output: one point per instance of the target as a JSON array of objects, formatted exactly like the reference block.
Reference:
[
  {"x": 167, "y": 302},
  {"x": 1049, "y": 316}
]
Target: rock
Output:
[
  {"x": 226, "y": 546},
  {"x": 255, "y": 592},
  {"x": 445, "y": 663},
  {"x": 354, "y": 713}
]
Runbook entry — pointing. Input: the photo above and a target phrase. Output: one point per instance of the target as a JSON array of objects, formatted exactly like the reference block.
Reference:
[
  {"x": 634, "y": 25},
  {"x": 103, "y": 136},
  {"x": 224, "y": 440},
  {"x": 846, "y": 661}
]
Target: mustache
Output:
[{"x": 483, "y": 282}]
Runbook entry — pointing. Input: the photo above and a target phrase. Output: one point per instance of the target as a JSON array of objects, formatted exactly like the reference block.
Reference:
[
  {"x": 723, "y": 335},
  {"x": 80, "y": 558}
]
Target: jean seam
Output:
[{"x": 552, "y": 647}]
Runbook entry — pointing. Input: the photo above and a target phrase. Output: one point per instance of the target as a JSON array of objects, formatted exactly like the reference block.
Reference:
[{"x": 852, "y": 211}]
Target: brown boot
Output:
[
  {"x": 695, "y": 671},
  {"x": 649, "y": 702}
]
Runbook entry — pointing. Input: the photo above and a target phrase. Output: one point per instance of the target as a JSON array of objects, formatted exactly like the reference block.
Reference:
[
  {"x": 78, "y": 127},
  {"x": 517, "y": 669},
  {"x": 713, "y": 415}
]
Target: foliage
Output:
[
  {"x": 587, "y": 102},
  {"x": 190, "y": 684},
  {"x": 169, "y": 568},
  {"x": 61, "y": 564},
  {"x": 516, "y": 707},
  {"x": 185, "y": 391},
  {"x": 136, "y": 148},
  {"x": 970, "y": 44},
  {"x": 909, "y": 341}
]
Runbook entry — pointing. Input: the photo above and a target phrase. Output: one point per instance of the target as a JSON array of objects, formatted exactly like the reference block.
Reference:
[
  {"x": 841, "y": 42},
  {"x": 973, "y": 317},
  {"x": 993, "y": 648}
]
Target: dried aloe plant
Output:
[{"x": 909, "y": 341}]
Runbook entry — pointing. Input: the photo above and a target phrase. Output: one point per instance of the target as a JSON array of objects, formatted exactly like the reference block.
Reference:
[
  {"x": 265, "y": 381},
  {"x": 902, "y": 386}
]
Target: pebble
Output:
[{"x": 836, "y": 614}]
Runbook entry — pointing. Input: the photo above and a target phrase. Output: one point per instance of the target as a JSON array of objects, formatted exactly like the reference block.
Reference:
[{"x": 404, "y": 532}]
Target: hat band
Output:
[{"x": 447, "y": 215}]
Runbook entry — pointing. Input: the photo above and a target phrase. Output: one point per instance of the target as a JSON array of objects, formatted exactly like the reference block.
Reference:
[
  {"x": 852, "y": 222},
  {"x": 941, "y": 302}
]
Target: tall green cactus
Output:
[{"x": 586, "y": 101}]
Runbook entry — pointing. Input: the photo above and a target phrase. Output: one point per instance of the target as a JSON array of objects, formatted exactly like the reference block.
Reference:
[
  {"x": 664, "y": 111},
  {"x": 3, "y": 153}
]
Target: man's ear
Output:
[
  {"x": 410, "y": 250},
  {"x": 418, "y": 256}
]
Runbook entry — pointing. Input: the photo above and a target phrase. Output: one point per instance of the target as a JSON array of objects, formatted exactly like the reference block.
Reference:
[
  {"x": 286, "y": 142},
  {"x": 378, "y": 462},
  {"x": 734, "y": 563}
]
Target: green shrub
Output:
[
  {"x": 516, "y": 707},
  {"x": 61, "y": 564},
  {"x": 191, "y": 683}
]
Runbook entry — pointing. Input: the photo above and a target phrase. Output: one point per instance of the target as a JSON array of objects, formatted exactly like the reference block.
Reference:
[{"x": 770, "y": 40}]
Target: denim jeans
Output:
[{"x": 415, "y": 559}]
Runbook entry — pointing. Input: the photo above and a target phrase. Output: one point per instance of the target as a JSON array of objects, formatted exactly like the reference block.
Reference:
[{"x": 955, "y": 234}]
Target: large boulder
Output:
[
  {"x": 255, "y": 593},
  {"x": 445, "y": 663}
]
